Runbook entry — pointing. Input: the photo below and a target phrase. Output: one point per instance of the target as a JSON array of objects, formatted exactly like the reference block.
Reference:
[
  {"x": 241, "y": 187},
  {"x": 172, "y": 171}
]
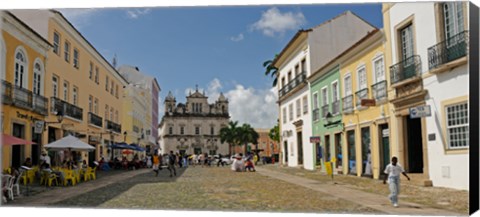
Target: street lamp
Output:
[
  {"x": 124, "y": 136},
  {"x": 59, "y": 115}
]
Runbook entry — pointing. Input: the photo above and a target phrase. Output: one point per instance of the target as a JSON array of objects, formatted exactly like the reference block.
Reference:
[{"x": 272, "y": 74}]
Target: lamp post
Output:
[
  {"x": 59, "y": 116},
  {"x": 124, "y": 136}
]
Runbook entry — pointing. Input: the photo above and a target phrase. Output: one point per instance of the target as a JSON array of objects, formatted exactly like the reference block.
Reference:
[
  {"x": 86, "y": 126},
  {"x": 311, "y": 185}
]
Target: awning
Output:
[
  {"x": 70, "y": 142},
  {"x": 12, "y": 140},
  {"x": 124, "y": 145}
]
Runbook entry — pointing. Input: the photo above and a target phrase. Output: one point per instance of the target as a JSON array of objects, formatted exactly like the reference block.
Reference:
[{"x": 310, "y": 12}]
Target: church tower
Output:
[
  {"x": 222, "y": 104},
  {"x": 170, "y": 103}
]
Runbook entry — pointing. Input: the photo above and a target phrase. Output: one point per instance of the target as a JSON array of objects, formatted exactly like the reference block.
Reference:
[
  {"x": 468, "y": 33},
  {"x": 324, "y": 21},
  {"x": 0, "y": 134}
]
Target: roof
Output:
[
  {"x": 289, "y": 44},
  {"x": 29, "y": 29}
]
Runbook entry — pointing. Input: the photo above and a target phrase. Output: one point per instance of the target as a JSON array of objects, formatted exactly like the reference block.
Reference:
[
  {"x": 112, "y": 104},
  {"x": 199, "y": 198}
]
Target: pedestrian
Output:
[
  {"x": 149, "y": 161},
  {"x": 171, "y": 164},
  {"x": 393, "y": 171},
  {"x": 156, "y": 163},
  {"x": 201, "y": 159},
  {"x": 255, "y": 158}
]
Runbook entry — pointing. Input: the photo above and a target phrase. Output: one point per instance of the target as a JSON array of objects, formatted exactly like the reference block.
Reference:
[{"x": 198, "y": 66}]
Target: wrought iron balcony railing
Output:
[
  {"x": 336, "y": 107},
  {"x": 408, "y": 68},
  {"x": 22, "y": 97},
  {"x": 7, "y": 91},
  {"x": 95, "y": 119},
  {"x": 68, "y": 109},
  {"x": 348, "y": 103},
  {"x": 325, "y": 110},
  {"x": 446, "y": 51},
  {"x": 40, "y": 104},
  {"x": 110, "y": 125},
  {"x": 361, "y": 94},
  {"x": 316, "y": 114},
  {"x": 299, "y": 79},
  {"x": 379, "y": 90}
]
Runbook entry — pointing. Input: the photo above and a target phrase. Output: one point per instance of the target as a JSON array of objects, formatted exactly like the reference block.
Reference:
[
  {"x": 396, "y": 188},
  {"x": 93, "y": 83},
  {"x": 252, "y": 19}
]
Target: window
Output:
[
  {"x": 75, "y": 95},
  {"x": 348, "y": 85},
  {"x": 315, "y": 100},
  {"x": 76, "y": 58},
  {"x": 289, "y": 76},
  {"x": 116, "y": 91},
  {"x": 106, "y": 112},
  {"x": 335, "y": 95},
  {"x": 96, "y": 75},
  {"x": 285, "y": 115},
  {"x": 324, "y": 96},
  {"x": 106, "y": 83},
  {"x": 37, "y": 79},
  {"x": 67, "y": 51},
  {"x": 90, "y": 103},
  {"x": 298, "y": 107},
  {"x": 315, "y": 104},
  {"x": 378, "y": 67},
  {"x": 55, "y": 86},
  {"x": 212, "y": 130},
  {"x": 457, "y": 126},
  {"x": 111, "y": 87},
  {"x": 170, "y": 130},
  {"x": 297, "y": 70},
  {"x": 182, "y": 130},
  {"x": 65, "y": 91},
  {"x": 116, "y": 116},
  {"x": 304, "y": 65},
  {"x": 111, "y": 114},
  {"x": 91, "y": 71},
  {"x": 452, "y": 19},
  {"x": 290, "y": 111},
  {"x": 56, "y": 43},
  {"x": 362, "y": 78},
  {"x": 197, "y": 130},
  {"x": 283, "y": 81},
  {"x": 406, "y": 36},
  {"x": 95, "y": 106},
  {"x": 20, "y": 69},
  {"x": 305, "y": 104}
]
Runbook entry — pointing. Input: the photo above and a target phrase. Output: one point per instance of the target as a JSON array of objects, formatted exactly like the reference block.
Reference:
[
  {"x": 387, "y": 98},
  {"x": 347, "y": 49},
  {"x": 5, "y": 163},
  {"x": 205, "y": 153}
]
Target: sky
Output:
[{"x": 219, "y": 48}]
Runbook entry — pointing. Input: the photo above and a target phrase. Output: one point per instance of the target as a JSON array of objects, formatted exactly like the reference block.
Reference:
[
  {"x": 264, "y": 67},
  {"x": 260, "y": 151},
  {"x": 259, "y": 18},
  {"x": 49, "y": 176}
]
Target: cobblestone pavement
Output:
[{"x": 208, "y": 188}]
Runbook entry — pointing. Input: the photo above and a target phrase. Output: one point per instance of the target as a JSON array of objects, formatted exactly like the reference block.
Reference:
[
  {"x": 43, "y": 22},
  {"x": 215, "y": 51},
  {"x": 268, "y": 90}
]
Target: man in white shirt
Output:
[
  {"x": 45, "y": 158},
  {"x": 394, "y": 170}
]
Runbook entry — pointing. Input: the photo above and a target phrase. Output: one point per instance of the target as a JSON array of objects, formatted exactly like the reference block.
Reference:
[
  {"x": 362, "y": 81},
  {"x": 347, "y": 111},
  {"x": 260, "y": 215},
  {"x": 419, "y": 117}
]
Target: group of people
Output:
[
  {"x": 247, "y": 163},
  {"x": 168, "y": 159}
]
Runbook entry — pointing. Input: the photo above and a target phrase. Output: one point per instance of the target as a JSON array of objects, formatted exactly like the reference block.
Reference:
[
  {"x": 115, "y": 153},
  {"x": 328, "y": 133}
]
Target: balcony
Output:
[
  {"x": 7, "y": 91},
  {"x": 347, "y": 104},
  {"x": 299, "y": 79},
  {"x": 113, "y": 126},
  {"x": 94, "y": 119},
  {"x": 22, "y": 97},
  {"x": 408, "y": 68},
  {"x": 40, "y": 104},
  {"x": 324, "y": 110},
  {"x": 336, "y": 107},
  {"x": 449, "y": 50},
  {"x": 379, "y": 90},
  {"x": 361, "y": 94},
  {"x": 316, "y": 114},
  {"x": 68, "y": 109}
]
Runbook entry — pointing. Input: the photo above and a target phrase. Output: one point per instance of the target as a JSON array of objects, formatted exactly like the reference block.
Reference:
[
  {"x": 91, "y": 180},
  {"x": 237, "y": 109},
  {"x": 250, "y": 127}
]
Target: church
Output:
[{"x": 194, "y": 127}]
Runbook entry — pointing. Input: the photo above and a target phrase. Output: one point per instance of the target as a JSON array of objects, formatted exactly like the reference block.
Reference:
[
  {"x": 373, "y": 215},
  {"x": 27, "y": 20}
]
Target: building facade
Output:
[
  {"x": 194, "y": 127},
  {"x": 23, "y": 54},
  {"x": 428, "y": 65},
  {"x": 80, "y": 84}
]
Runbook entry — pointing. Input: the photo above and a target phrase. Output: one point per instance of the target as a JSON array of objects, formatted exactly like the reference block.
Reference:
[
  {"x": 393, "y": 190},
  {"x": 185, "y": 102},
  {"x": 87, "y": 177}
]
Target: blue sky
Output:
[{"x": 220, "y": 48}]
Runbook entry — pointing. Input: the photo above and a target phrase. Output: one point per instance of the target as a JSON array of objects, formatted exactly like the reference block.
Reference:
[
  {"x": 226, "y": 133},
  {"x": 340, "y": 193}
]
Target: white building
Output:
[
  {"x": 305, "y": 54},
  {"x": 429, "y": 69}
]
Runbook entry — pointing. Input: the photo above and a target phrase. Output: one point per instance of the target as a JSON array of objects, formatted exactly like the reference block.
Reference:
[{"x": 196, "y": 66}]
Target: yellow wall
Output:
[{"x": 368, "y": 116}]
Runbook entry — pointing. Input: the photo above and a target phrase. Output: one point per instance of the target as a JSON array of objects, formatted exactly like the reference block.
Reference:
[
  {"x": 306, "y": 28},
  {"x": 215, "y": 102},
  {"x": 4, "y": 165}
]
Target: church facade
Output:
[{"x": 194, "y": 126}]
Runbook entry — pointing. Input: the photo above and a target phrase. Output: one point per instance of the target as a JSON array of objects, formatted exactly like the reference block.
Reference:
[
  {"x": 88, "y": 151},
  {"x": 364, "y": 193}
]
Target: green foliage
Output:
[
  {"x": 274, "y": 133},
  {"x": 271, "y": 70}
]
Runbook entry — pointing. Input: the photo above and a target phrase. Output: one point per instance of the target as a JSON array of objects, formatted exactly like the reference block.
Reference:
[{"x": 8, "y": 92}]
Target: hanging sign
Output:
[{"x": 39, "y": 126}]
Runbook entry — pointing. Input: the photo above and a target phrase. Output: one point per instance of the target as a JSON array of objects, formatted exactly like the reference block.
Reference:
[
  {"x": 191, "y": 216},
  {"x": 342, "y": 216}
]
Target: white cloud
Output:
[
  {"x": 237, "y": 38},
  {"x": 79, "y": 17},
  {"x": 273, "y": 21},
  {"x": 135, "y": 13}
]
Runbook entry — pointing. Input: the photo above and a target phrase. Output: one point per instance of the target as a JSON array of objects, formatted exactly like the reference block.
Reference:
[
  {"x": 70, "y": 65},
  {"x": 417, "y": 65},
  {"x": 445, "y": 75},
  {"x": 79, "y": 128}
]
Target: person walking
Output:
[
  {"x": 171, "y": 164},
  {"x": 393, "y": 170},
  {"x": 156, "y": 163}
]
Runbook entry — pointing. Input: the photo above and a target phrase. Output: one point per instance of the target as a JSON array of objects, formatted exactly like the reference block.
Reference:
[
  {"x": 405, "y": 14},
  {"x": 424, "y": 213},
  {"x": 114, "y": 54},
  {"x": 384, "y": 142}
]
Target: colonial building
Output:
[
  {"x": 307, "y": 52},
  {"x": 194, "y": 127},
  {"x": 23, "y": 54},
  {"x": 80, "y": 84},
  {"x": 428, "y": 63}
]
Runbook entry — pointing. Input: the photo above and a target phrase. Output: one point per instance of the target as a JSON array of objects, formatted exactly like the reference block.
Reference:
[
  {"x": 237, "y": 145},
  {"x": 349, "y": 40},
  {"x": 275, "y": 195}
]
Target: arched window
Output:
[
  {"x": 20, "y": 68},
  {"x": 38, "y": 78}
]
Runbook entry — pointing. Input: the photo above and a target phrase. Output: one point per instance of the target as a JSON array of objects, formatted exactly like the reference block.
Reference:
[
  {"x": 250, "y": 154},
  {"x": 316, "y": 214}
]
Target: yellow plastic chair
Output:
[
  {"x": 69, "y": 176},
  {"x": 76, "y": 173},
  {"x": 48, "y": 178},
  {"x": 91, "y": 173},
  {"x": 86, "y": 174}
]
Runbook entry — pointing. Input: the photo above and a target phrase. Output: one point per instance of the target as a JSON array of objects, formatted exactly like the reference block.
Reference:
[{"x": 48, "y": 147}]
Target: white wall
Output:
[{"x": 447, "y": 85}]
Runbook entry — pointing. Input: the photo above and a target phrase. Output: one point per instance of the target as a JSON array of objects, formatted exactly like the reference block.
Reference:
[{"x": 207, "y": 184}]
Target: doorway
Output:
[
  {"x": 37, "y": 138},
  {"x": 318, "y": 156},
  {"x": 414, "y": 145},
  {"x": 366, "y": 152},
  {"x": 328, "y": 156},
  {"x": 384, "y": 138},
  {"x": 351, "y": 152},
  {"x": 285, "y": 148},
  {"x": 300, "y": 148},
  {"x": 338, "y": 150},
  {"x": 18, "y": 150}
]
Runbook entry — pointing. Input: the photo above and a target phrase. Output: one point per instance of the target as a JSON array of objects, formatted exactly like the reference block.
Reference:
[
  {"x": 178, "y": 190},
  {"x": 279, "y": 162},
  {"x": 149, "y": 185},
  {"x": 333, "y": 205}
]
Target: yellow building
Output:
[
  {"x": 364, "y": 77},
  {"x": 80, "y": 83},
  {"x": 22, "y": 64}
]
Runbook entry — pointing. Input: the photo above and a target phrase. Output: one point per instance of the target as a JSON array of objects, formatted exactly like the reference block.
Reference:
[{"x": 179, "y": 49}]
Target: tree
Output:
[
  {"x": 229, "y": 134},
  {"x": 271, "y": 70},
  {"x": 274, "y": 133},
  {"x": 246, "y": 134}
]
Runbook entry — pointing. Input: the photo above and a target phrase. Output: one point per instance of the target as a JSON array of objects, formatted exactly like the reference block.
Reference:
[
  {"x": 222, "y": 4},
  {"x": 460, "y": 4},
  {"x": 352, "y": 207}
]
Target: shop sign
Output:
[
  {"x": 420, "y": 111},
  {"x": 315, "y": 139},
  {"x": 385, "y": 132},
  {"x": 39, "y": 126}
]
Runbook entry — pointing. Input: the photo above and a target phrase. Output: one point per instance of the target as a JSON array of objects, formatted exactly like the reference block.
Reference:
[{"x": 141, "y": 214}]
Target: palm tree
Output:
[
  {"x": 247, "y": 135},
  {"x": 271, "y": 70},
  {"x": 229, "y": 134}
]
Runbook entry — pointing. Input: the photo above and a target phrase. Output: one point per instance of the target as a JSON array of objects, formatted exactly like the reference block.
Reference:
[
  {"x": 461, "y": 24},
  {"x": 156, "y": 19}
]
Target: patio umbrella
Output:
[
  {"x": 12, "y": 140},
  {"x": 71, "y": 143}
]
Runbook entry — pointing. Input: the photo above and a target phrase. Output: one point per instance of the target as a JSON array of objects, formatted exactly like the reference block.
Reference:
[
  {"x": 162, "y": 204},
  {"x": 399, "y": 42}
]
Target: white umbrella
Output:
[{"x": 71, "y": 143}]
